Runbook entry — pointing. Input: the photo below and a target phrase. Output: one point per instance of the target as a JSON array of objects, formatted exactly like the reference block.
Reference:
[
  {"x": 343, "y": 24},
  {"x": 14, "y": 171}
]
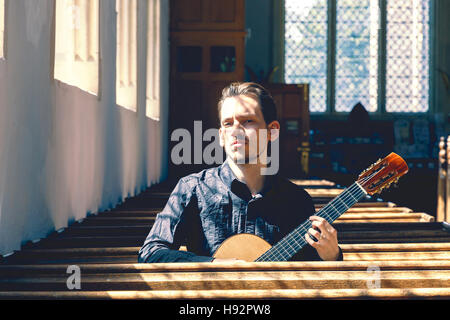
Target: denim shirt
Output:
[{"x": 207, "y": 207}]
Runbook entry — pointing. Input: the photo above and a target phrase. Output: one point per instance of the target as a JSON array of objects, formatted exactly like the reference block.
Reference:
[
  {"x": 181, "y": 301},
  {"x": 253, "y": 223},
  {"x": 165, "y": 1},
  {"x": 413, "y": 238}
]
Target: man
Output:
[{"x": 206, "y": 208}]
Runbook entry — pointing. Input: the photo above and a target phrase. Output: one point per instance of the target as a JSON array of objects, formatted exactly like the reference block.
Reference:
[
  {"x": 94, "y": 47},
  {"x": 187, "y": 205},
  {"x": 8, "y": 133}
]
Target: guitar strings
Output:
[
  {"x": 344, "y": 202},
  {"x": 274, "y": 252}
]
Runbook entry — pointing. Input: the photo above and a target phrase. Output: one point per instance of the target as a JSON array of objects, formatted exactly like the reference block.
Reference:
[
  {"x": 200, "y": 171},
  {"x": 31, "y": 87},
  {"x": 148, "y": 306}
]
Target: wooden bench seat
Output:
[
  {"x": 410, "y": 250},
  {"x": 352, "y": 252},
  {"x": 32, "y": 270},
  {"x": 234, "y": 280},
  {"x": 398, "y": 280},
  {"x": 329, "y": 294},
  {"x": 351, "y": 217},
  {"x": 379, "y": 217}
]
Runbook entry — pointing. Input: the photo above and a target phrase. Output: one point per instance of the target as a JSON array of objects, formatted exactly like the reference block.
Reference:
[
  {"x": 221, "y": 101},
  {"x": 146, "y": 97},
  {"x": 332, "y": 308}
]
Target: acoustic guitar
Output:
[{"x": 249, "y": 247}]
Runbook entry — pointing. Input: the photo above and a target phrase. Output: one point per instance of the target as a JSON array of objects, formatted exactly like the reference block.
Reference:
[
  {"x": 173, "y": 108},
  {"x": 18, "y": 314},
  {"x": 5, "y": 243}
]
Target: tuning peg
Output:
[{"x": 369, "y": 168}]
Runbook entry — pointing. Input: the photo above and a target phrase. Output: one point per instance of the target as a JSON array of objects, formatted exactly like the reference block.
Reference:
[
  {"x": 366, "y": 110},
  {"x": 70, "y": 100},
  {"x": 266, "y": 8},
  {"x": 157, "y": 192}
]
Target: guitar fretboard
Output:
[{"x": 294, "y": 241}]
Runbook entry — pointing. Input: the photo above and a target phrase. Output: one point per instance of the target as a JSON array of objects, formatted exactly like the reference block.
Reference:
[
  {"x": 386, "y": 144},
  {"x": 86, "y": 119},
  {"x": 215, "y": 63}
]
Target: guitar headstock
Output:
[{"x": 382, "y": 173}]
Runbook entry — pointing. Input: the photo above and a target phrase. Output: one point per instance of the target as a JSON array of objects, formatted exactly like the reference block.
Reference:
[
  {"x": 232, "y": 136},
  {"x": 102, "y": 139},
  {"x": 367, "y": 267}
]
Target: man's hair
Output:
[{"x": 254, "y": 90}]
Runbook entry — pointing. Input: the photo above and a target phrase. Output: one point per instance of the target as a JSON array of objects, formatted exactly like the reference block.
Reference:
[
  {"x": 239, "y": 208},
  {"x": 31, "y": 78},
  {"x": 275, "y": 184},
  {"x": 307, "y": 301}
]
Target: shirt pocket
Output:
[{"x": 216, "y": 219}]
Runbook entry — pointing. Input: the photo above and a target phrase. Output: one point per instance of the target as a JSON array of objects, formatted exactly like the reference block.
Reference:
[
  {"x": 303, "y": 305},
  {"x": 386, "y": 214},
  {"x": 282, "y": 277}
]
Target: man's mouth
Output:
[{"x": 238, "y": 142}]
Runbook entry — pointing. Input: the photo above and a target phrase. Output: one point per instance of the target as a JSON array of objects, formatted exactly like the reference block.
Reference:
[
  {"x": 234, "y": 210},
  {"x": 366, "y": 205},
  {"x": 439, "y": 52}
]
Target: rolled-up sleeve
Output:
[{"x": 170, "y": 228}]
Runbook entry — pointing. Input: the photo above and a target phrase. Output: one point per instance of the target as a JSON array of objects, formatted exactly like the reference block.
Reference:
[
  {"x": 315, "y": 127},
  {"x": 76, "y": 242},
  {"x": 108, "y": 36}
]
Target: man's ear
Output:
[{"x": 274, "y": 130}]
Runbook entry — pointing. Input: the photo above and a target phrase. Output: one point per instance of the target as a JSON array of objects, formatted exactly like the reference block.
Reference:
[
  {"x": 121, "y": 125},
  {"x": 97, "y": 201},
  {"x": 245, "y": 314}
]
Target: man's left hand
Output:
[{"x": 327, "y": 243}]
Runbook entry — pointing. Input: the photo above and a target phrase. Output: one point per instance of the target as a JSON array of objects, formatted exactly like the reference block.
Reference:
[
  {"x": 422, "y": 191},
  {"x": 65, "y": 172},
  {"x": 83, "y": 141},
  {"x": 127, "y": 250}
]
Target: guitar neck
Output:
[{"x": 294, "y": 241}]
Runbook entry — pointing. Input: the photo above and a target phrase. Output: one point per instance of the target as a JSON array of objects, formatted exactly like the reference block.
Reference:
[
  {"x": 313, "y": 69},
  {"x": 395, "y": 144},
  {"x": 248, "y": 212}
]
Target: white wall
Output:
[{"x": 65, "y": 153}]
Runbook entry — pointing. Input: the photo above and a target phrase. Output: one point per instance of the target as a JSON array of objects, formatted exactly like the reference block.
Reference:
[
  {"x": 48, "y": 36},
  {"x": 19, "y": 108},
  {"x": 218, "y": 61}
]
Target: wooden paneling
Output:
[
  {"x": 292, "y": 102},
  {"x": 224, "y": 11},
  {"x": 207, "y": 15},
  {"x": 186, "y": 11},
  {"x": 207, "y": 49}
]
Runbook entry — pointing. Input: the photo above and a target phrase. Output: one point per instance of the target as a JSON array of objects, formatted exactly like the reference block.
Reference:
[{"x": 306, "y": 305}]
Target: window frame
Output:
[{"x": 380, "y": 113}]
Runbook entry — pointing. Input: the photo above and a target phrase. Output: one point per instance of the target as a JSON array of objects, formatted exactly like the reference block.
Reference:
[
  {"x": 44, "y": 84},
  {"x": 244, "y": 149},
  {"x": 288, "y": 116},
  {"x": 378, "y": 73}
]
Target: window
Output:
[
  {"x": 306, "y": 39},
  {"x": 407, "y": 54},
  {"x": 2, "y": 28},
  {"x": 375, "y": 52},
  {"x": 126, "y": 59},
  {"x": 77, "y": 43},
  {"x": 153, "y": 100}
]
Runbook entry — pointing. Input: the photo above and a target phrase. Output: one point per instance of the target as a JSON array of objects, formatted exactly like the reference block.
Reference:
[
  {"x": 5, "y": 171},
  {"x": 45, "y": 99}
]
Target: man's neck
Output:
[{"x": 250, "y": 174}]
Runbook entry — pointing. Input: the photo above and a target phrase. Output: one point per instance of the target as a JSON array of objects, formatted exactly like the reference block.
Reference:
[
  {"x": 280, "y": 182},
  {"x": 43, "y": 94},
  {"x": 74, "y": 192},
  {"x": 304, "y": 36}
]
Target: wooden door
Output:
[{"x": 207, "y": 41}]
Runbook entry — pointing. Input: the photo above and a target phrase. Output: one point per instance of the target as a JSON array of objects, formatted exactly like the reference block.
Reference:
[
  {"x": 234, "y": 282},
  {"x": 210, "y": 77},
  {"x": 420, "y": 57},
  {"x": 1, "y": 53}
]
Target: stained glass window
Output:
[
  {"x": 306, "y": 48},
  {"x": 407, "y": 48}
]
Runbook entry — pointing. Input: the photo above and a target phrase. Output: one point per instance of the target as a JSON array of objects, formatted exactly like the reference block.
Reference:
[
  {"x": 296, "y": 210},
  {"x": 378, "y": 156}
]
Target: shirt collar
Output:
[{"x": 240, "y": 188}]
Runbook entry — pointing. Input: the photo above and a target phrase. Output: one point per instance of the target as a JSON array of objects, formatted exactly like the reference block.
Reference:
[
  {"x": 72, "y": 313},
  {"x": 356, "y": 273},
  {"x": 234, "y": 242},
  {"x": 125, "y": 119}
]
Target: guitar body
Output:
[
  {"x": 243, "y": 246},
  {"x": 249, "y": 247}
]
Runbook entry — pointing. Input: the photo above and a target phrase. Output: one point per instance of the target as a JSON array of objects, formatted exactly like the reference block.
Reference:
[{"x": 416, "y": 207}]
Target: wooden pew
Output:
[
  {"x": 241, "y": 280},
  {"x": 304, "y": 294},
  {"x": 204, "y": 279},
  {"x": 410, "y": 260},
  {"x": 352, "y": 252}
]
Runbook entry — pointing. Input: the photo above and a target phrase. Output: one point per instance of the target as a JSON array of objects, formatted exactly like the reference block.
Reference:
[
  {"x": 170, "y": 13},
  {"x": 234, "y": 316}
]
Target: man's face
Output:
[{"x": 241, "y": 123}]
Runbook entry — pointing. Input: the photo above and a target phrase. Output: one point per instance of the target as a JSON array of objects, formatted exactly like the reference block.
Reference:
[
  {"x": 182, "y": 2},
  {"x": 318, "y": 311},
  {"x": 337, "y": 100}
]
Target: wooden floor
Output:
[{"x": 390, "y": 252}]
